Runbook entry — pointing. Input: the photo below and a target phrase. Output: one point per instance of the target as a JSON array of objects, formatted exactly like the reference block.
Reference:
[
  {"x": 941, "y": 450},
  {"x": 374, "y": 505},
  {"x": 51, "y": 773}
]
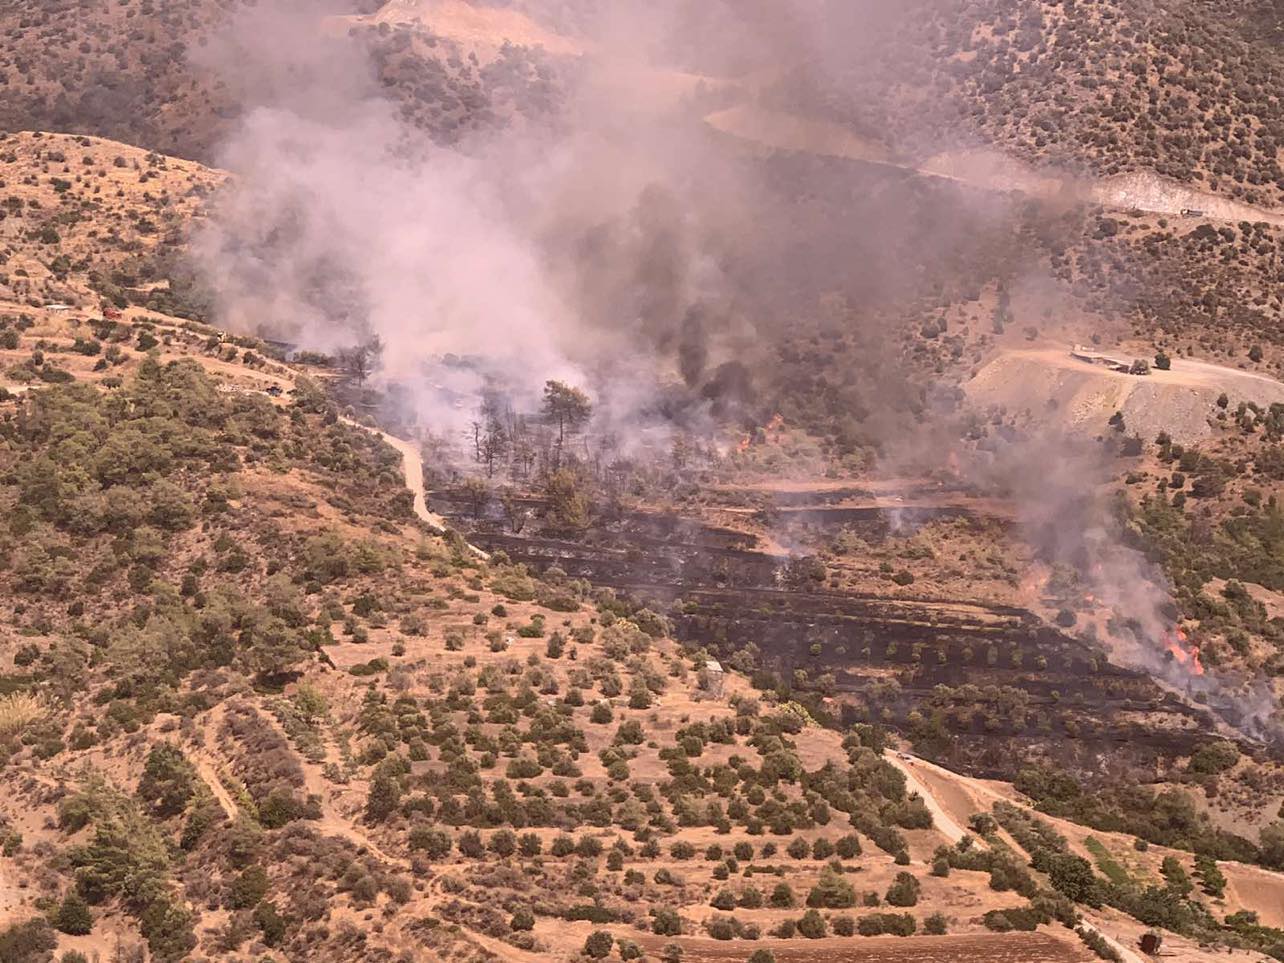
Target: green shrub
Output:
[
  {"x": 598, "y": 945},
  {"x": 812, "y": 925},
  {"x": 894, "y": 924},
  {"x": 904, "y": 891},
  {"x": 833, "y": 892},
  {"x": 270, "y": 923},
  {"x": 73, "y": 916},
  {"x": 248, "y": 889},
  {"x": 29, "y": 942}
]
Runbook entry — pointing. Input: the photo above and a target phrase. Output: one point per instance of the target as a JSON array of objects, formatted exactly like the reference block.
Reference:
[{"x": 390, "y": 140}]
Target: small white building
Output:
[{"x": 713, "y": 678}]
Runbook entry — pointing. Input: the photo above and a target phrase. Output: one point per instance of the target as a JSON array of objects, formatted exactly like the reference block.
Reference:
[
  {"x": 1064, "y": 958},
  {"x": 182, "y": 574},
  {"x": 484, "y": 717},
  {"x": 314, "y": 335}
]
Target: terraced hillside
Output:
[
  {"x": 252, "y": 704},
  {"x": 783, "y": 675},
  {"x": 255, "y": 705}
]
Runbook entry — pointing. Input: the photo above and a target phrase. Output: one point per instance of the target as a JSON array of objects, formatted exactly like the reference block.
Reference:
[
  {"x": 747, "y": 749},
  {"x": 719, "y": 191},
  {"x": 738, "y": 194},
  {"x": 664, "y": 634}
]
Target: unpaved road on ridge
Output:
[
  {"x": 945, "y": 823},
  {"x": 1185, "y": 372},
  {"x": 986, "y": 169}
]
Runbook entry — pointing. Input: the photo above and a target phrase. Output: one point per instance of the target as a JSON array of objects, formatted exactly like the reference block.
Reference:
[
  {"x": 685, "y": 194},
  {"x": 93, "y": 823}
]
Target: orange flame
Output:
[
  {"x": 953, "y": 465},
  {"x": 1183, "y": 653}
]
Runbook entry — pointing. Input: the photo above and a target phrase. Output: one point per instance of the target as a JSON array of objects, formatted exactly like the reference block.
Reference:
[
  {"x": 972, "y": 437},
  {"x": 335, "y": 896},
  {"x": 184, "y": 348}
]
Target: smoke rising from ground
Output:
[
  {"x": 583, "y": 247},
  {"x": 619, "y": 244}
]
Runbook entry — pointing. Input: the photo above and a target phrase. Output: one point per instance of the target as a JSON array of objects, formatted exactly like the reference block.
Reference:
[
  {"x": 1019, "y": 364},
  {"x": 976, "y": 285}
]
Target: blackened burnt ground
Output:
[{"x": 983, "y": 688}]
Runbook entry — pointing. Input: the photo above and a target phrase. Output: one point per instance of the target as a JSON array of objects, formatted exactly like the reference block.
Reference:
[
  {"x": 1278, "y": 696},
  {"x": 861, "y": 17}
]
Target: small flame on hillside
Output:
[
  {"x": 1183, "y": 652},
  {"x": 763, "y": 435}
]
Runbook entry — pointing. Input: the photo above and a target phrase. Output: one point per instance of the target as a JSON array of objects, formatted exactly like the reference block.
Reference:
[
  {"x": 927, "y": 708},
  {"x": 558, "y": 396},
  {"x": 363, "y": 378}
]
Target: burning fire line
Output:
[
  {"x": 1183, "y": 652},
  {"x": 776, "y": 425}
]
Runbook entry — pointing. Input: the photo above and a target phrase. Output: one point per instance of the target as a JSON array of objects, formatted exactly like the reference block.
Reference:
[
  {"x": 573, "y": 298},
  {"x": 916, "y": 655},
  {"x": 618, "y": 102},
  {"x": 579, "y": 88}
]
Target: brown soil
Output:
[
  {"x": 990, "y": 948},
  {"x": 986, "y": 169},
  {"x": 481, "y": 28},
  {"x": 1179, "y": 401},
  {"x": 1256, "y": 889}
]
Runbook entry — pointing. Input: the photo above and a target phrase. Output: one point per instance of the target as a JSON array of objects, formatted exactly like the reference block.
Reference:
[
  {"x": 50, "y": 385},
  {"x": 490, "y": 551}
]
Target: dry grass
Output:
[{"x": 19, "y": 710}]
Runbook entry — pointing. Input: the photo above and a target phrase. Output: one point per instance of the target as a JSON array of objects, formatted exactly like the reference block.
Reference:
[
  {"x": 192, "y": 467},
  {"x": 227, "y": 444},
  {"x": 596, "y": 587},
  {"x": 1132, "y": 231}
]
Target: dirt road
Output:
[
  {"x": 412, "y": 472},
  {"x": 1185, "y": 372},
  {"x": 986, "y": 169},
  {"x": 1126, "y": 954},
  {"x": 945, "y": 823},
  {"x": 209, "y": 775}
]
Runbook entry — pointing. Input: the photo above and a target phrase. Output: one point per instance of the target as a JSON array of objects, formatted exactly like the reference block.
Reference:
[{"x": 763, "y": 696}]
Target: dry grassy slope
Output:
[
  {"x": 1169, "y": 86},
  {"x": 75, "y": 206},
  {"x": 124, "y": 71},
  {"x": 432, "y": 593},
  {"x": 1249, "y": 888},
  {"x": 223, "y": 725},
  {"x": 477, "y": 27},
  {"x": 336, "y": 875},
  {"x": 1042, "y": 385}
]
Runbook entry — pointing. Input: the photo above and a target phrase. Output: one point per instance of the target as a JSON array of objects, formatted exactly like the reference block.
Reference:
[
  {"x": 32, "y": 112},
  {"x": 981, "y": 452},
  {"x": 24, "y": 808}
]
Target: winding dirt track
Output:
[
  {"x": 986, "y": 169},
  {"x": 209, "y": 775},
  {"x": 412, "y": 471},
  {"x": 950, "y": 827}
]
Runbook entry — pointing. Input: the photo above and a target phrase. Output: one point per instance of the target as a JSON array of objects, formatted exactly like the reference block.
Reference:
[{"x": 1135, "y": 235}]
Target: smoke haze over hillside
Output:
[
  {"x": 618, "y": 243},
  {"x": 621, "y": 245}
]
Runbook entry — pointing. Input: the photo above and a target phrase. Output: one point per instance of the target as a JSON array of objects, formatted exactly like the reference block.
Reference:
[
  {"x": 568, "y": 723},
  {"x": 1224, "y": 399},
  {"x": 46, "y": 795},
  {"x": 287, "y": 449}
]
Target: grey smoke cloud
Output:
[
  {"x": 618, "y": 244},
  {"x": 570, "y": 250},
  {"x": 336, "y": 232}
]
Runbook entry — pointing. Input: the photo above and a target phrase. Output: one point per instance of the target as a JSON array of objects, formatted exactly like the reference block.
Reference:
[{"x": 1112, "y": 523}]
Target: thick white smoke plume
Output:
[
  {"x": 372, "y": 235},
  {"x": 577, "y": 247},
  {"x": 609, "y": 238}
]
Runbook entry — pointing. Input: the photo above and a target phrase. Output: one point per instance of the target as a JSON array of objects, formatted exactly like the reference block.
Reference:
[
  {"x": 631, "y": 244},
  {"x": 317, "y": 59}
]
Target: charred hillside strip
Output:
[
  {"x": 931, "y": 670},
  {"x": 984, "y": 688}
]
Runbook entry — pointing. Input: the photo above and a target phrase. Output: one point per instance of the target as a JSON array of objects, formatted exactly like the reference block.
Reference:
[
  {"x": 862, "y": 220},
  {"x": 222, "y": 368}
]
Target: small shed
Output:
[{"x": 714, "y": 678}]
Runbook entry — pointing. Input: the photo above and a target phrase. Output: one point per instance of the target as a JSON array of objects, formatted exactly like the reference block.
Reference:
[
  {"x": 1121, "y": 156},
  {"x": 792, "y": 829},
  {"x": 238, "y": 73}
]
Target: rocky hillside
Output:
[
  {"x": 1179, "y": 88},
  {"x": 253, "y": 705},
  {"x": 141, "y": 72}
]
